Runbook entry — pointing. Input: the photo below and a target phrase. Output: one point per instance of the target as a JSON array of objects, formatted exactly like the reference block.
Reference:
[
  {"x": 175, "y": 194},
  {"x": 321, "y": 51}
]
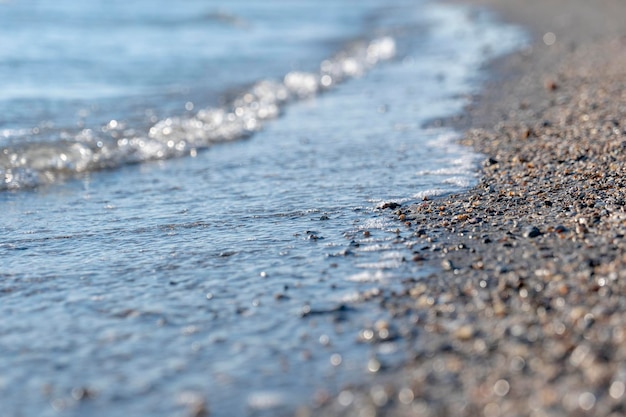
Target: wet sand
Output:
[{"x": 528, "y": 314}]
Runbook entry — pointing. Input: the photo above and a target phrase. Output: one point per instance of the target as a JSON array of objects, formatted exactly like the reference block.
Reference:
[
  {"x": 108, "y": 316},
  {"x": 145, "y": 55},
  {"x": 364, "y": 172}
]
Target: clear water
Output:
[{"x": 147, "y": 265}]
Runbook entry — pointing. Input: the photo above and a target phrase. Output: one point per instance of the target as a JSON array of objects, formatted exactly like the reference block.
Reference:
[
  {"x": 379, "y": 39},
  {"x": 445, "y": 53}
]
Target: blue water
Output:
[{"x": 183, "y": 183}]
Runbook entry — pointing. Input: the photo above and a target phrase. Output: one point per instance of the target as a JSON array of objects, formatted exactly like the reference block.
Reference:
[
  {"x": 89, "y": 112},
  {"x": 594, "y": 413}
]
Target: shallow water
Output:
[{"x": 227, "y": 277}]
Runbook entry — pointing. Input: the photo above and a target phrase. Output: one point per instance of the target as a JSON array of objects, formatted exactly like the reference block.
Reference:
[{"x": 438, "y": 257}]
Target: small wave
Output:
[
  {"x": 370, "y": 276},
  {"x": 116, "y": 144},
  {"x": 461, "y": 182}
]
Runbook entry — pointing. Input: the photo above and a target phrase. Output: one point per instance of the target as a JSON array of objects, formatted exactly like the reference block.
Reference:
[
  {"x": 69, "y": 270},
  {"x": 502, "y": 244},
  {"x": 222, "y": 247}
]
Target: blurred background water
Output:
[{"x": 189, "y": 204}]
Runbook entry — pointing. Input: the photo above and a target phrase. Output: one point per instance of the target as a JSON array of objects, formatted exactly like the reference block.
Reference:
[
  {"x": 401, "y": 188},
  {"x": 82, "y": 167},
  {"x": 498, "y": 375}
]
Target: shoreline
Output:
[{"x": 528, "y": 314}]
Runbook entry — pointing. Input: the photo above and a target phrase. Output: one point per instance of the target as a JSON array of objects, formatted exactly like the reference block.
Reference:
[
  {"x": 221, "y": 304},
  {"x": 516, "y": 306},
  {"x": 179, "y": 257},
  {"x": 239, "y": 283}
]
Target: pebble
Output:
[
  {"x": 532, "y": 232},
  {"x": 550, "y": 84},
  {"x": 447, "y": 265},
  {"x": 418, "y": 257},
  {"x": 391, "y": 205},
  {"x": 465, "y": 332},
  {"x": 561, "y": 229}
]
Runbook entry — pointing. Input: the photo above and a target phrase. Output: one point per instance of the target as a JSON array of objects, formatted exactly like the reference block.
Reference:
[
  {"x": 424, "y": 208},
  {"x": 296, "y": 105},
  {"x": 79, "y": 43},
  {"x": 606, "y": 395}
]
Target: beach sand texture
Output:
[{"x": 528, "y": 315}]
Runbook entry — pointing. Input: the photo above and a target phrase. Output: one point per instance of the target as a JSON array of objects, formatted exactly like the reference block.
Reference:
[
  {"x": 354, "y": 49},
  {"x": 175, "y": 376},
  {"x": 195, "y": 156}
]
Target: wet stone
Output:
[
  {"x": 312, "y": 235},
  {"x": 390, "y": 205}
]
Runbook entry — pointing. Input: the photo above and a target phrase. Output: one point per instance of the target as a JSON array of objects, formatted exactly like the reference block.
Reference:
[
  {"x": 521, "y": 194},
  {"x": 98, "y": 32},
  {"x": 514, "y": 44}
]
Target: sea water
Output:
[{"x": 191, "y": 193}]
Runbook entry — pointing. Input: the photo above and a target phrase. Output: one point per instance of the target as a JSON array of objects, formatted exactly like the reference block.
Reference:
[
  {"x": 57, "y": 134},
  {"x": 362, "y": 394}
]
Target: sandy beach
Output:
[{"x": 528, "y": 314}]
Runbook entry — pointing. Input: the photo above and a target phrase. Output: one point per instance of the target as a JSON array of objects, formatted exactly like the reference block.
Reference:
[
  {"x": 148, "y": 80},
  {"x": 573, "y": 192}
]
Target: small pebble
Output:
[
  {"x": 550, "y": 84},
  {"x": 447, "y": 265},
  {"x": 561, "y": 229},
  {"x": 389, "y": 206},
  {"x": 418, "y": 257},
  {"x": 465, "y": 332},
  {"x": 532, "y": 232}
]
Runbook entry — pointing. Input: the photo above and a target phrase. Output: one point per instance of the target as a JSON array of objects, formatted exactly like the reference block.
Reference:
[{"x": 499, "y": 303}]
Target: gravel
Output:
[{"x": 527, "y": 314}]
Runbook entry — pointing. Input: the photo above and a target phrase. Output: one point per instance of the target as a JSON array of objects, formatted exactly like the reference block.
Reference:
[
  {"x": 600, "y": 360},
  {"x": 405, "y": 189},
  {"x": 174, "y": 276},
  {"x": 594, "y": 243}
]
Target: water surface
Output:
[{"x": 223, "y": 271}]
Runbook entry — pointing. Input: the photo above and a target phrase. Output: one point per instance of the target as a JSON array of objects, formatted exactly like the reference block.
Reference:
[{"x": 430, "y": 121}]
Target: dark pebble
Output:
[
  {"x": 389, "y": 205},
  {"x": 532, "y": 232},
  {"x": 311, "y": 235}
]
